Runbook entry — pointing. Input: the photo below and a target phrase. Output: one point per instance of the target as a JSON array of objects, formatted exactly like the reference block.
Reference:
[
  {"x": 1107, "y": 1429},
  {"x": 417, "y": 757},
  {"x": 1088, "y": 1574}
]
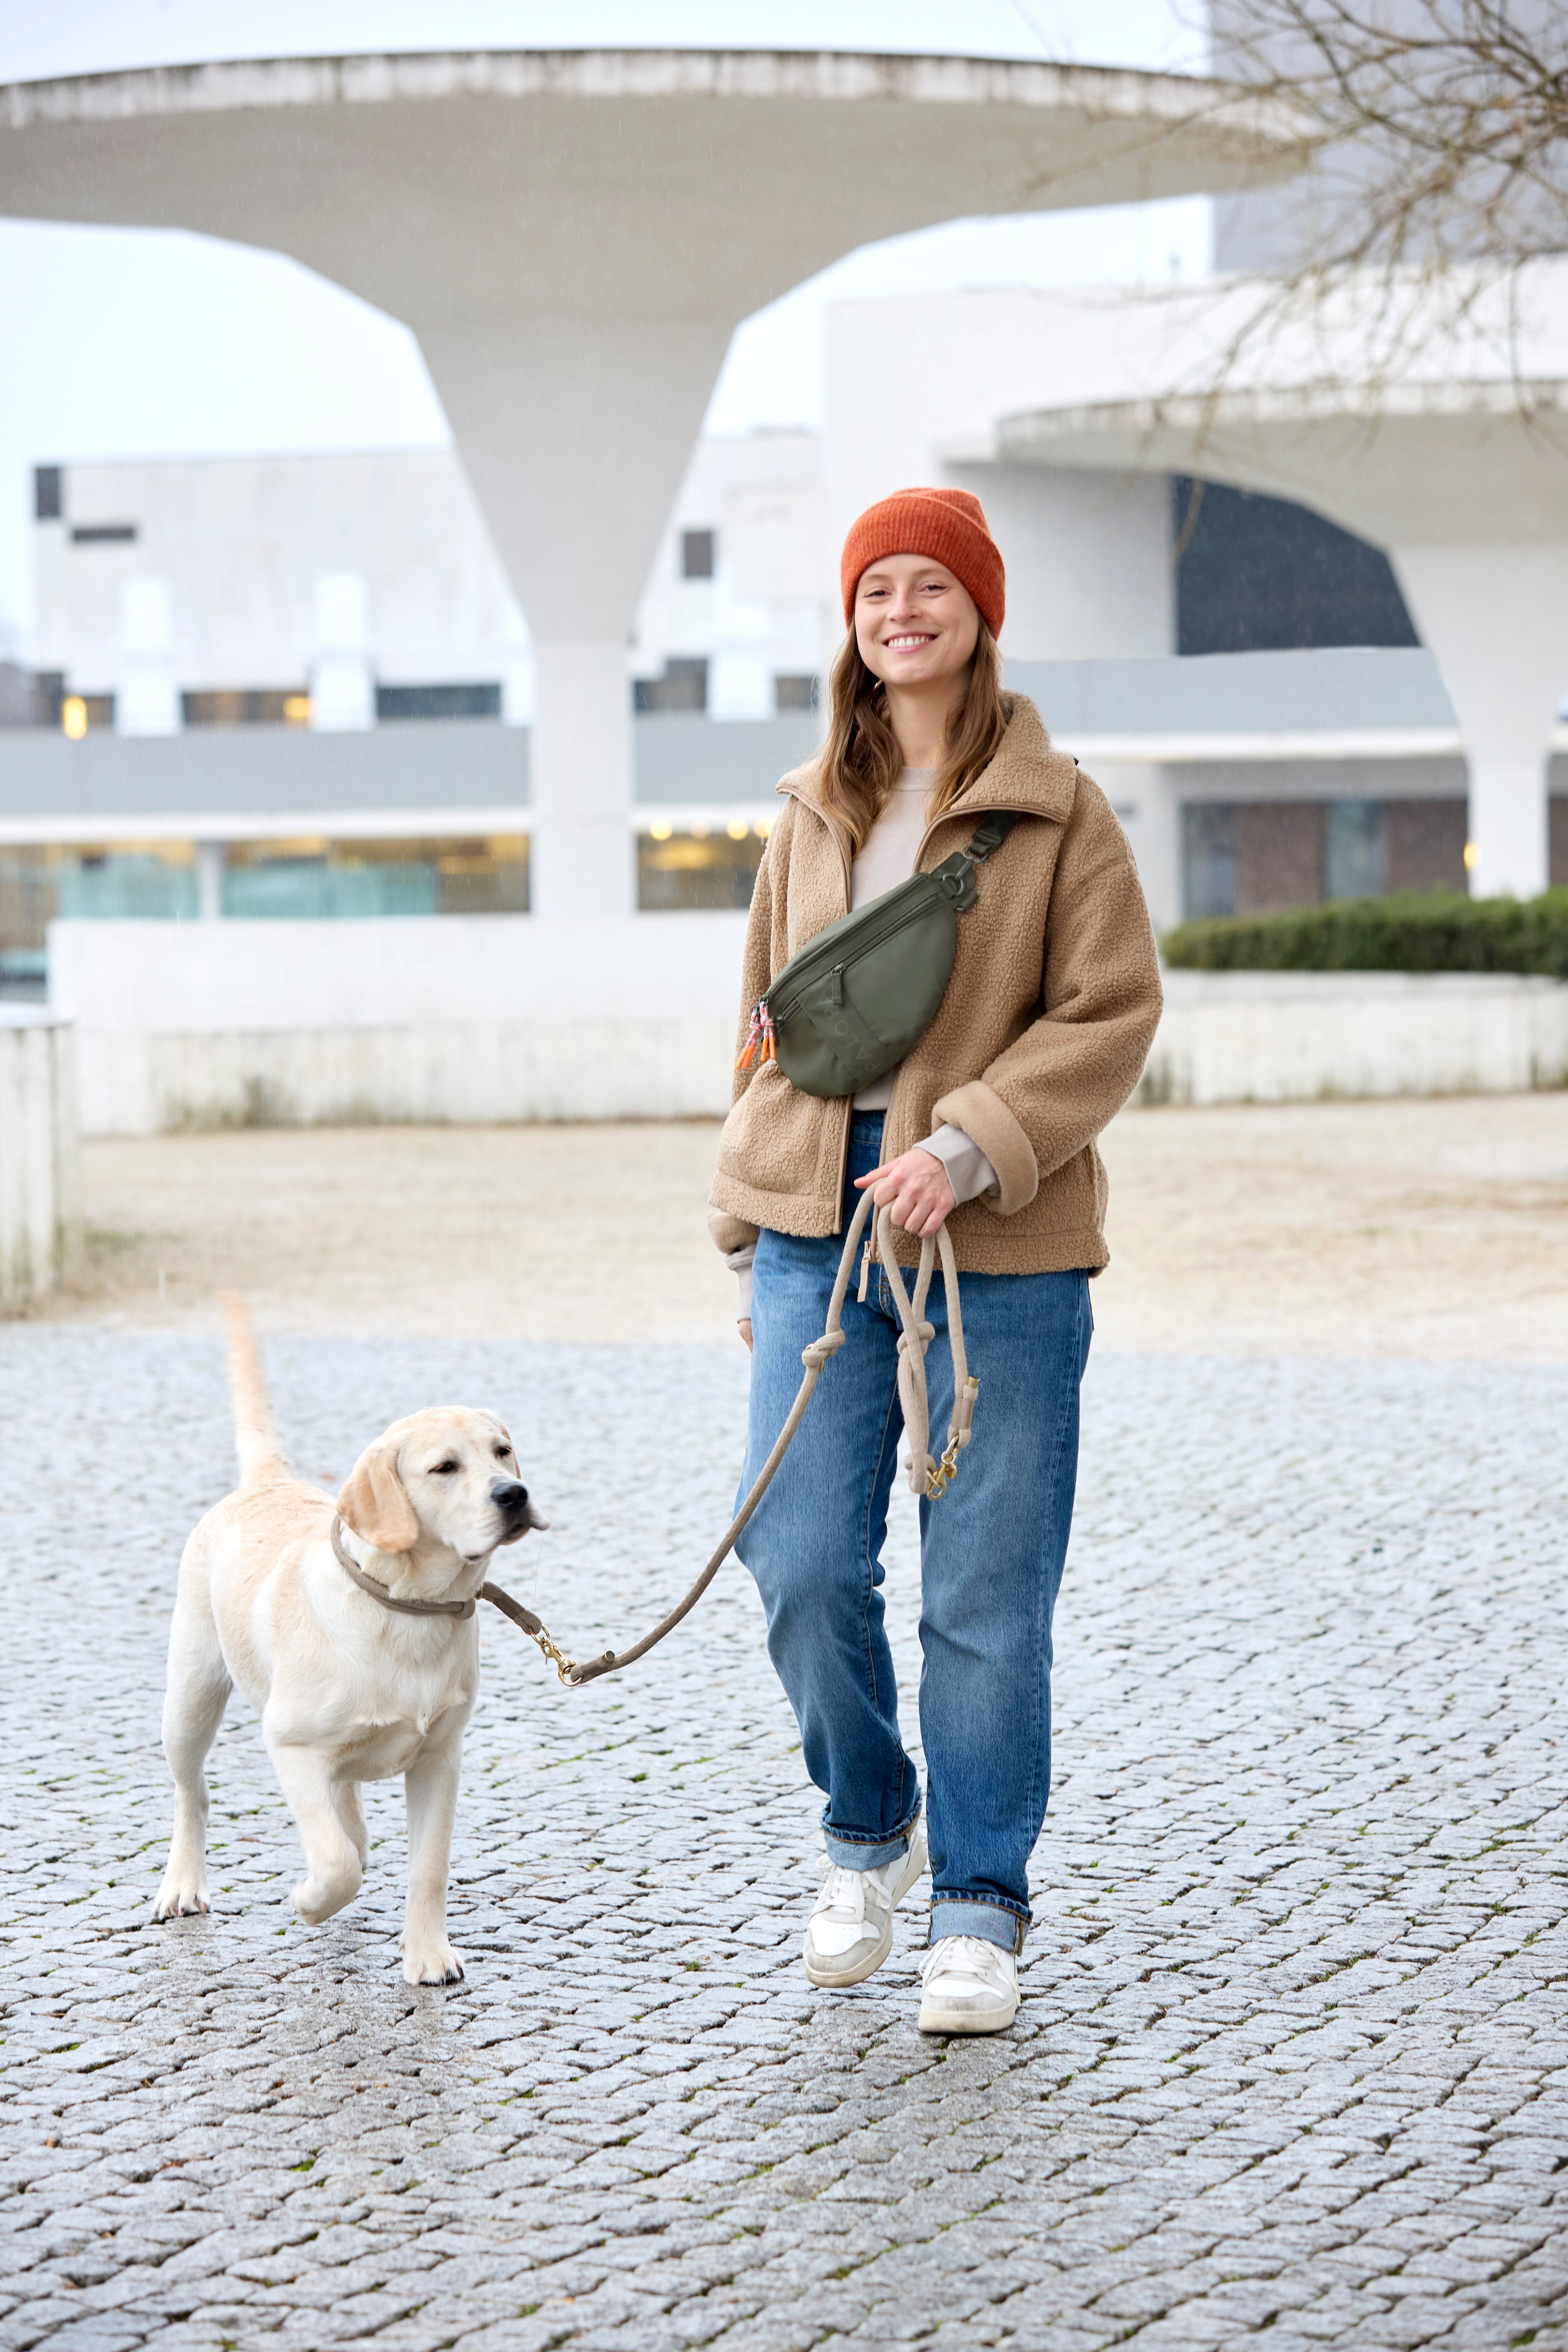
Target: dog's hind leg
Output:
[
  {"x": 198, "y": 1691},
  {"x": 430, "y": 1787},
  {"x": 333, "y": 1865}
]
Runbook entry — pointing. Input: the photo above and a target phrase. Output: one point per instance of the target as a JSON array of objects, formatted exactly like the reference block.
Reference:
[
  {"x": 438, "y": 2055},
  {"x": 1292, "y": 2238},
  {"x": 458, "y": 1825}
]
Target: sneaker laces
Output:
[
  {"x": 968, "y": 1955},
  {"x": 843, "y": 1890}
]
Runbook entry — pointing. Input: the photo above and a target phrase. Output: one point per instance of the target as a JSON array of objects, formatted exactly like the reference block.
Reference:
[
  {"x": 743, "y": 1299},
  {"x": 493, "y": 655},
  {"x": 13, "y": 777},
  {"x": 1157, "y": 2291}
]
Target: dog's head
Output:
[{"x": 442, "y": 1480}]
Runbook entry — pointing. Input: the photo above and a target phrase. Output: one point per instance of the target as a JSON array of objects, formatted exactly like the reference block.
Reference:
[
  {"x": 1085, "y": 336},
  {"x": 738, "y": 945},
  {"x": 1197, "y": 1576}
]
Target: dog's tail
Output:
[{"x": 261, "y": 1458}]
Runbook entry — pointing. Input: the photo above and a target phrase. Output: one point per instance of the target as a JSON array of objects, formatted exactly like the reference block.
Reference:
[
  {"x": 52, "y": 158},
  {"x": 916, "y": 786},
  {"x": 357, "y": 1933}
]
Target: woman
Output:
[{"x": 988, "y": 1123}]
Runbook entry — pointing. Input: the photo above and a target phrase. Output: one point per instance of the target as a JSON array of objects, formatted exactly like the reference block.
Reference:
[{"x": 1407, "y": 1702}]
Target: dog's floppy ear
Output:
[{"x": 375, "y": 1502}]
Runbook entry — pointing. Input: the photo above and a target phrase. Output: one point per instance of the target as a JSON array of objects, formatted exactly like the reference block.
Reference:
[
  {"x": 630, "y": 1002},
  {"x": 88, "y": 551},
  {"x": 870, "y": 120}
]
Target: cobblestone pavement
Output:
[{"x": 1292, "y": 2054}]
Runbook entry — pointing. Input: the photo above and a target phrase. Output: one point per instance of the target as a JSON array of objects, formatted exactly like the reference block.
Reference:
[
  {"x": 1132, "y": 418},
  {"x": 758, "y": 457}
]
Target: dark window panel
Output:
[
  {"x": 104, "y": 534},
  {"x": 1208, "y": 859},
  {"x": 480, "y": 700},
  {"x": 49, "y": 493},
  {"x": 696, "y": 554},
  {"x": 1557, "y": 842},
  {"x": 683, "y": 687},
  {"x": 795, "y": 692},
  {"x": 1355, "y": 863},
  {"x": 1262, "y": 575}
]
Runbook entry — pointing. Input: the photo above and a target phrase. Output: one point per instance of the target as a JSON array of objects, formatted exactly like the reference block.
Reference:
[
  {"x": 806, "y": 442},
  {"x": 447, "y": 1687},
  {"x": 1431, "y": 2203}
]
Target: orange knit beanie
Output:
[{"x": 947, "y": 525}]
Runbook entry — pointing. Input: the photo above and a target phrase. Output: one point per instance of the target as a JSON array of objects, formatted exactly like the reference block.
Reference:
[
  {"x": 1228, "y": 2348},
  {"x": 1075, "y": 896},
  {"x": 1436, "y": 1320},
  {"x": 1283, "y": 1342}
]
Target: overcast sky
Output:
[{"x": 123, "y": 342}]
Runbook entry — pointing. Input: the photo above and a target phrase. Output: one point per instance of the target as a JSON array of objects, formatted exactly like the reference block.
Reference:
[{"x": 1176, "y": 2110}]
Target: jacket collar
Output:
[{"x": 1028, "y": 774}]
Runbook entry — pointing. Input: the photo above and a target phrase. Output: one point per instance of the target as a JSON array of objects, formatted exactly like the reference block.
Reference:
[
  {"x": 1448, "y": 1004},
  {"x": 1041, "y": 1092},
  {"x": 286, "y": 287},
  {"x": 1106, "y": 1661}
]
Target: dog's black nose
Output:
[{"x": 510, "y": 1496}]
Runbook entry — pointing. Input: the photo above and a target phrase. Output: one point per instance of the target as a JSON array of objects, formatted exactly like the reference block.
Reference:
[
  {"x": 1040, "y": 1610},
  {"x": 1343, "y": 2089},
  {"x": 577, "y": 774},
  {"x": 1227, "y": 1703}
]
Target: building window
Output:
[
  {"x": 683, "y": 687},
  {"x": 795, "y": 692},
  {"x": 704, "y": 868},
  {"x": 247, "y": 706},
  {"x": 49, "y": 493},
  {"x": 1208, "y": 860},
  {"x": 1262, "y": 575},
  {"x": 448, "y": 701},
  {"x": 85, "y": 714},
  {"x": 104, "y": 534},
  {"x": 317, "y": 879},
  {"x": 1355, "y": 860},
  {"x": 697, "y": 550}
]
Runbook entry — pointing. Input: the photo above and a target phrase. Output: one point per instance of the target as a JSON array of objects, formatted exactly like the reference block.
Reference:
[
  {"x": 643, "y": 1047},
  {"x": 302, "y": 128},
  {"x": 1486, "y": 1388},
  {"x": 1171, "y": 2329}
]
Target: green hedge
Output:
[{"x": 1409, "y": 931}]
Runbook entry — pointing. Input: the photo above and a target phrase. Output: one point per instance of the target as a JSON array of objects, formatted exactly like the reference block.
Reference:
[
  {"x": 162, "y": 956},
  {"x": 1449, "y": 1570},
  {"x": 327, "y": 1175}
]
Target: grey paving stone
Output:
[{"x": 1292, "y": 2052}]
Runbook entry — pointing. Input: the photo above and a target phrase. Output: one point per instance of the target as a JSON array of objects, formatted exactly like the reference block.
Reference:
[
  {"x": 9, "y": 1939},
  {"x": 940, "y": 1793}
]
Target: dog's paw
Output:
[
  {"x": 432, "y": 1964},
  {"x": 182, "y": 1896},
  {"x": 323, "y": 1895}
]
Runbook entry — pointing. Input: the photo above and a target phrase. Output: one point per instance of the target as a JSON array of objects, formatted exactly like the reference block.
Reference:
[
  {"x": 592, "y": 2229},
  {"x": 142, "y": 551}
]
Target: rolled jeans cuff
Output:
[
  {"x": 855, "y": 1854},
  {"x": 959, "y": 1916}
]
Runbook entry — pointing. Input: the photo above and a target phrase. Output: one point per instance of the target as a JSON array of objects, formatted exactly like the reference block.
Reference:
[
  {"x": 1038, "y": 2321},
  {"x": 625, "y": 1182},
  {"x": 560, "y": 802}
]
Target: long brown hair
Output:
[{"x": 862, "y": 761}]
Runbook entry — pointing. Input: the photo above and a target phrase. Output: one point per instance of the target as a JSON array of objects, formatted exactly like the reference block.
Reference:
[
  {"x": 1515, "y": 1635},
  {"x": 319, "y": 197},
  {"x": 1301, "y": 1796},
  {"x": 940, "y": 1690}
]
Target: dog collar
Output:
[{"x": 379, "y": 1591}]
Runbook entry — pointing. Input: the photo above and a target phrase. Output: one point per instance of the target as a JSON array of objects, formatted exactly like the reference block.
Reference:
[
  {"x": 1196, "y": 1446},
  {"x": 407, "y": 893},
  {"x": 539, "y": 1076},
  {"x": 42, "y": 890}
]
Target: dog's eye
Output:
[
  {"x": 444, "y": 1469},
  {"x": 503, "y": 1453}
]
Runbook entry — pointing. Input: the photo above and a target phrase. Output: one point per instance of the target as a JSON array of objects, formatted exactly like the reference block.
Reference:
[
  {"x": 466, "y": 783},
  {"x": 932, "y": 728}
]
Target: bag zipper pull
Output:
[
  {"x": 836, "y": 976},
  {"x": 865, "y": 1270},
  {"x": 761, "y": 1045}
]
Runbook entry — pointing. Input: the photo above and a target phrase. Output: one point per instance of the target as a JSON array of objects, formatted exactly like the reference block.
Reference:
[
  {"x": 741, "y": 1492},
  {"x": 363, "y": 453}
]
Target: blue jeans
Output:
[{"x": 990, "y": 1562}]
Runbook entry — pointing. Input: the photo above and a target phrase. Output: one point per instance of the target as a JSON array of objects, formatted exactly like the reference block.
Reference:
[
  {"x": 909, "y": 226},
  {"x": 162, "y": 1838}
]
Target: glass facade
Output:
[
  {"x": 309, "y": 878},
  {"x": 700, "y": 866}
]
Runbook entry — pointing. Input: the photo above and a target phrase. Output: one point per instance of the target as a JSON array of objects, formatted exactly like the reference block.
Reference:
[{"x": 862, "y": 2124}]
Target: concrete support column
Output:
[
  {"x": 212, "y": 859},
  {"x": 1497, "y": 620},
  {"x": 581, "y": 851}
]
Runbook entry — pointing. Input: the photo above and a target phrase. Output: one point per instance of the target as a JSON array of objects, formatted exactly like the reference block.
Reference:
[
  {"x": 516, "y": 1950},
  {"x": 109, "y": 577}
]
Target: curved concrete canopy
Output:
[
  {"x": 1421, "y": 464},
  {"x": 574, "y": 238},
  {"x": 1465, "y": 486}
]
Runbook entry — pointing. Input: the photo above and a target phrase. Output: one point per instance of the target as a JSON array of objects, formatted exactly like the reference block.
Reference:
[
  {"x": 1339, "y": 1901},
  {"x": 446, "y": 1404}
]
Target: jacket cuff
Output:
[
  {"x": 969, "y": 1172},
  {"x": 739, "y": 1264},
  {"x": 983, "y": 1116},
  {"x": 731, "y": 1233}
]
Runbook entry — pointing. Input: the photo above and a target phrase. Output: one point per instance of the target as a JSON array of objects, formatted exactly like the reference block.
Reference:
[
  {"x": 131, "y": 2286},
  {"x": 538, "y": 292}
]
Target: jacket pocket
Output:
[{"x": 772, "y": 1138}]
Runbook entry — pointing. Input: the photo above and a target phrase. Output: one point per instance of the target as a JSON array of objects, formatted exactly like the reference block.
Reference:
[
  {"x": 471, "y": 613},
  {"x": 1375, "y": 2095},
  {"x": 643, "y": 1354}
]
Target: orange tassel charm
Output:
[{"x": 760, "y": 1045}]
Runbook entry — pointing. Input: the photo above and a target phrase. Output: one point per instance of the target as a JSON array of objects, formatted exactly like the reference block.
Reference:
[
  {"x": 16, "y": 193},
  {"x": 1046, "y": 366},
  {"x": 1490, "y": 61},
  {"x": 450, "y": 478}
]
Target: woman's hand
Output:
[
  {"x": 745, "y": 1327},
  {"x": 915, "y": 1187}
]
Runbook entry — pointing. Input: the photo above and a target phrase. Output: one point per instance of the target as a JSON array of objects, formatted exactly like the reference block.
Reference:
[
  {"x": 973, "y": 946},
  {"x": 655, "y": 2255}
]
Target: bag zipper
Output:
[{"x": 869, "y": 939}]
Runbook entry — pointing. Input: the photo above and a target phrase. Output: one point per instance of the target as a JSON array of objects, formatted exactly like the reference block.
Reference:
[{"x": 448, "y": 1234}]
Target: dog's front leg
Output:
[
  {"x": 430, "y": 1787},
  {"x": 333, "y": 1870}
]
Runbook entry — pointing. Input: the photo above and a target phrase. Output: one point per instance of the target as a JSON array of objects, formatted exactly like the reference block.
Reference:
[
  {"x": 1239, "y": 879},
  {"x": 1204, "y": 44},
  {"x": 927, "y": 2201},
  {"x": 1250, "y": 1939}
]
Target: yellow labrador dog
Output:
[{"x": 347, "y": 1688}]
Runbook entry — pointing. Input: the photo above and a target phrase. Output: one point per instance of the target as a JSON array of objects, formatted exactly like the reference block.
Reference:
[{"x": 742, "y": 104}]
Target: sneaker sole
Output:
[
  {"x": 835, "y": 1980},
  {"x": 936, "y": 2020}
]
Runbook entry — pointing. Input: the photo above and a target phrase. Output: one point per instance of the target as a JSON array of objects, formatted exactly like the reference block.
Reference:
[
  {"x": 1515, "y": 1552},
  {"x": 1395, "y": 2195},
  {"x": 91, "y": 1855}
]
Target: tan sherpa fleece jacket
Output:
[{"x": 1042, "y": 1035}]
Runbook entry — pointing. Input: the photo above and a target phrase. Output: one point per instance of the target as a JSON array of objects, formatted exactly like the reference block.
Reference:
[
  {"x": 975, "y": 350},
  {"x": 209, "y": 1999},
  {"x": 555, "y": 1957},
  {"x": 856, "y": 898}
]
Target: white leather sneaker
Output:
[
  {"x": 850, "y": 1933},
  {"x": 969, "y": 1987}
]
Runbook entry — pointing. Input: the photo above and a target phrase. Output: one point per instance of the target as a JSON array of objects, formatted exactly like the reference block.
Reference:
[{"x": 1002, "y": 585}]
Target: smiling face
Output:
[
  {"x": 916, "y": 625},
  {"x": 442, "y": 1481}
]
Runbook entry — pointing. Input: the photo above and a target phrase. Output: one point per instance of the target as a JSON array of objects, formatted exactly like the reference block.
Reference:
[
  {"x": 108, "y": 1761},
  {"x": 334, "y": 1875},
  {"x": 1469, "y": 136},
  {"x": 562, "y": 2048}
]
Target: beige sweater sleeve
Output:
[{"x": 1065, "y": 1079}]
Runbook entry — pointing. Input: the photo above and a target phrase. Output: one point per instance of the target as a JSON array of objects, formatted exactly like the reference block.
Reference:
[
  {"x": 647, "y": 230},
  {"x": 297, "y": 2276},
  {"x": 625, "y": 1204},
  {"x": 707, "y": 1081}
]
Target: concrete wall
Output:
[
  {"x": 1232, "y": 1037},
  {"x": 40, "y": 1189},
  {"x": 465, "y": 1018}
]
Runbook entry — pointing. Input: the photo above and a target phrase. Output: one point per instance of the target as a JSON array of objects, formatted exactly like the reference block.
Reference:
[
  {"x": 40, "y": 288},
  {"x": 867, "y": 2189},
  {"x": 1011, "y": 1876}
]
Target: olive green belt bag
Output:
[{"x": 862, "y": 993}]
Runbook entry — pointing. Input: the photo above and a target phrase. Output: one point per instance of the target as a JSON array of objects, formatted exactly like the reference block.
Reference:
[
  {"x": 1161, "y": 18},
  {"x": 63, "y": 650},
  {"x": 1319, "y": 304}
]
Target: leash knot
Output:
[{"x": 814, "y": 1356}]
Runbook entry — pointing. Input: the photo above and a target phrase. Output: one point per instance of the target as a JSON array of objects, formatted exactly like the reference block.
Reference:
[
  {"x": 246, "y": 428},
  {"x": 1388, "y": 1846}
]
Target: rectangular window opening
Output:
[{"x": 698, "y": 549}]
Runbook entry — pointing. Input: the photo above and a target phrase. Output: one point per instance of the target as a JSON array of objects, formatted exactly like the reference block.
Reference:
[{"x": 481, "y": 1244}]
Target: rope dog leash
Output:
[{"x": 927, "y": 1478}]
